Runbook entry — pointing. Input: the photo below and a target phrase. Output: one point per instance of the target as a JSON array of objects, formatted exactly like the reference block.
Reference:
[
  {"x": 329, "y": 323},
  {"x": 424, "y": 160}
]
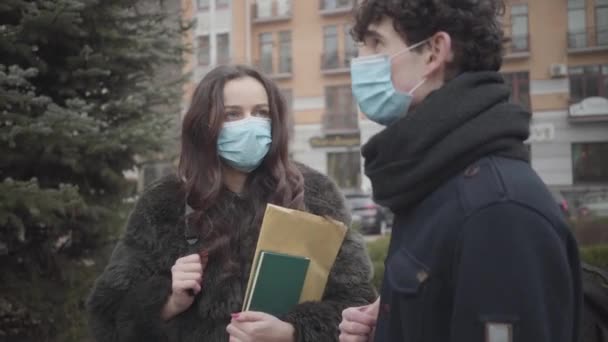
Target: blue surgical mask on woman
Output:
[
  {"x": 244, "y": 144},
  {"x": 373, "y": 87}
]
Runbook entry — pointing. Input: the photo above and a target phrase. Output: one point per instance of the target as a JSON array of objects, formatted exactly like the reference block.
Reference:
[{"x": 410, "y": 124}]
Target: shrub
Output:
[
  {"x": 596, "y": 255},
  {"x": 377, "y": 252}
]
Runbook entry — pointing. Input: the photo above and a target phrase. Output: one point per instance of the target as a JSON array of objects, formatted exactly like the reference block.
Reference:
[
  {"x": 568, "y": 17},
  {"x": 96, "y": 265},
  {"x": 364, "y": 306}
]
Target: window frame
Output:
[
  {"x": 518, "y": 80},
  {"x": 285, "y": 45},
  {"x": 199, "y": 50},
  {"x": 582, "y": 74},
  {"x": 263, "y": 43},
  {"x": 331, "y": 58},
  {"x": 219, "y": 58},
  {"x": 522, "y": 39},
  {"x": 578, "y": 179}
]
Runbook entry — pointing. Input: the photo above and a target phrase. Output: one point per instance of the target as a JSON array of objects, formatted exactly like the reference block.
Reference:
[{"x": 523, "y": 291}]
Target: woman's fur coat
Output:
[{"x": 126, "y": 302}]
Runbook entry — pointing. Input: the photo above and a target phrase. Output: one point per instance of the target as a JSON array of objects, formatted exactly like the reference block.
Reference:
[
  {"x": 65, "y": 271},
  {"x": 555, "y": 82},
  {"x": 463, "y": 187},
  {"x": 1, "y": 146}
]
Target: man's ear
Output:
[{"x": 440, "y": 53}]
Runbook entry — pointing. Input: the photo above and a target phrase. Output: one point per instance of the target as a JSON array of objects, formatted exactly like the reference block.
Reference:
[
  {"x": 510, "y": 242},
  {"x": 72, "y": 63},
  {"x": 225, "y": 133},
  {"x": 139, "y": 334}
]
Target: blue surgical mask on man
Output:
[
  {"x": 373, "y": 87},
  {"x": 244, "y": 144}
]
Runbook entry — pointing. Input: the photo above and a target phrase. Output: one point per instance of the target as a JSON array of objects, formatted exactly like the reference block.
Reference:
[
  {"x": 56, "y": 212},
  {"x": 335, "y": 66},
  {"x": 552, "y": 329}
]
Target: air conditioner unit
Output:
[{"x": 558, "y": 70}]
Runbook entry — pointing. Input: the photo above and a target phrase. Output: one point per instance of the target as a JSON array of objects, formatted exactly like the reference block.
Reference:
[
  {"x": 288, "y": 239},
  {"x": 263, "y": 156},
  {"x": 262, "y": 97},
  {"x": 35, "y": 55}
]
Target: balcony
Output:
[
  {"x": 336, "y": 63},
  {"x": 340, "y": 123},
  {"x": 281, "y": 71},
  {"x": 518, "y": 47},
  {"x": 589, "y": 40},
  {"x": 335, "y": 7},
  {"x": 271, "y": 11}
]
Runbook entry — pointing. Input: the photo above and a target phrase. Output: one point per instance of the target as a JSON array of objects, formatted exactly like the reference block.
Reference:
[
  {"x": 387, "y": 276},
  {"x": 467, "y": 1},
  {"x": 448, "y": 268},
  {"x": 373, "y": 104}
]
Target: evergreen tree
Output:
[{"x": 81, "y": 98}]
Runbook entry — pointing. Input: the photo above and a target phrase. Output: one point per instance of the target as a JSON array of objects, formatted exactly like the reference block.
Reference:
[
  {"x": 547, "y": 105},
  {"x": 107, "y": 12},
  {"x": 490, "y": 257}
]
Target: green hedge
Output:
[
  {"x": 377, "y": 252},
  {"x": 594, "y": 255}
]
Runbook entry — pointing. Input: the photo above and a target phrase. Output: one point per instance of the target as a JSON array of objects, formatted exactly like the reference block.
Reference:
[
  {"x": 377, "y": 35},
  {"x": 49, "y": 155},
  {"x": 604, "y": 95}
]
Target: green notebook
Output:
[{"x": 277, "y": 283}]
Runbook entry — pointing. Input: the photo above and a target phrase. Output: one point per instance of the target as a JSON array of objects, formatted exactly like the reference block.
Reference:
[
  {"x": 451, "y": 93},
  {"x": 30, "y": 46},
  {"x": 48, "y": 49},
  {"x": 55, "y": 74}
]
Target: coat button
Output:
[
  {"x": 422, "y": 276},
  {"x": 471, "y": 171}
]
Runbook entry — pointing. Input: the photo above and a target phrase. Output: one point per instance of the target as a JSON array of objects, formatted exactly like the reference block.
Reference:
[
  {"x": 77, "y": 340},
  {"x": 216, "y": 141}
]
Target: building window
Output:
[
  {"x": 345, "y": 169},
  {"x": 588, "y": 81},
  {"x": 601, "y": 22},
  {"x": 263, "y": 8},
  {"x": 203, "y": 51},
  {"x": 202, "y": 5},
  {"x": 285, "y": 52},
  {"x": 283, "y": 8},
  {"x": 266, "y": 52},
  {"x": 330, "y": 47},
  {"x": 589, "y": 162},
  {"x": 336, "y": 4},
  {"x": 519, "y": 28},
  {"x": 350, "y": 46},
  {"x": 270, "y": 8},
  {"x": 223, "y": 48},
  {"x": 340, "y": 99},
  {"x": 222, "y": 4},
  {"x": 577, "y": 24},
  {"x": 519, "y": 83},
  {"x": 341, "y": 109}
]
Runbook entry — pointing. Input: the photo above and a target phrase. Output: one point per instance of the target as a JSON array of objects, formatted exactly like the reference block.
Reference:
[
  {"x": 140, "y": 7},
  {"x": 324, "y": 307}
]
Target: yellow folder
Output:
[{"x": 301, "y": 234}]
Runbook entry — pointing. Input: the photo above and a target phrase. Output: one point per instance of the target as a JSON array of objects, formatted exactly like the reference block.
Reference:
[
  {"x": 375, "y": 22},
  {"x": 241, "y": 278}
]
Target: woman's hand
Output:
[
  {"x": 186, "y": 279},
  {"x": 259, "y": 327}
]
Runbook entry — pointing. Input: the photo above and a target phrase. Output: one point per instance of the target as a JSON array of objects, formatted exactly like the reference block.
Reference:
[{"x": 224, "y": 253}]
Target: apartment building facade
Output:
[{"x": 556, "y": 65}]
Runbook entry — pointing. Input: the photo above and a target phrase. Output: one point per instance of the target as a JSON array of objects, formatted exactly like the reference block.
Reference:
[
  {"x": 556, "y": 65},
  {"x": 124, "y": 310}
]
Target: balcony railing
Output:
[
  {"x": 518, "y": 45},
  {"x": 272, "y": 10},
  {"x": 590, "y": 39},
  {"x": 337, "y": 62},
  {"x": 334, "y": 123},
  {"x": 277, "y": 71},
  {"x": 332, "y": 7}
]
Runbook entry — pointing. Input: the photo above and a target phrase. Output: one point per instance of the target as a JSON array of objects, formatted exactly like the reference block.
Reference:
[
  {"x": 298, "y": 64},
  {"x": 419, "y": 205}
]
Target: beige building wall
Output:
[
  {"x": 306, "y": 81},
  {"x": 553, "y": 130}
]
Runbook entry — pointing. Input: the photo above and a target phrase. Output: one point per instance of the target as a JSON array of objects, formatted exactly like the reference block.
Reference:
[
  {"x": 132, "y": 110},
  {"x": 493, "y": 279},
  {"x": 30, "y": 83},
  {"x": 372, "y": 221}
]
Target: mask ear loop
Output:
[
  {"x": 410, "y": 48},
  {"x": 417, "y": 86}
]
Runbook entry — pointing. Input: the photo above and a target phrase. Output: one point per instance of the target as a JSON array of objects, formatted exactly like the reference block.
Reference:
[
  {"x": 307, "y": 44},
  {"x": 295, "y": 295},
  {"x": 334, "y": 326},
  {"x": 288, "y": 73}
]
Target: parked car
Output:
[
  {"x": 594, "y": 205},
  {"x": 561, "y": 202},
  {"x": 373, "y": 218}
]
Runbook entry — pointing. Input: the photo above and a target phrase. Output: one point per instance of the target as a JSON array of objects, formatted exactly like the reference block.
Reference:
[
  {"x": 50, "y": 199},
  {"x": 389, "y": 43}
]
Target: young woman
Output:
[{"x": 180, "y": 271}]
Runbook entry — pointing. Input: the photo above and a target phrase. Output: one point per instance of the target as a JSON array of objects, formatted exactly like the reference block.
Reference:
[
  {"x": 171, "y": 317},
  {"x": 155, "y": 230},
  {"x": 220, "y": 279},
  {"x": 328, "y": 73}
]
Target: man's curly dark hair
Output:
[{"x": 473, "y": 25}]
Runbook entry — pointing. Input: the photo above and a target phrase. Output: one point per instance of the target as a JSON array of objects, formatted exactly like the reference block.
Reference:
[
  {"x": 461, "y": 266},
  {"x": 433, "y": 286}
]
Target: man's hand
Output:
[{"x": 358, "y": 323}]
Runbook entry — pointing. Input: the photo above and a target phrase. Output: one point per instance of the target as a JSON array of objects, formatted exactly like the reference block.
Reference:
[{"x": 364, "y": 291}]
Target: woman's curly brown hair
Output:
[{"x": 473, "y": 25}]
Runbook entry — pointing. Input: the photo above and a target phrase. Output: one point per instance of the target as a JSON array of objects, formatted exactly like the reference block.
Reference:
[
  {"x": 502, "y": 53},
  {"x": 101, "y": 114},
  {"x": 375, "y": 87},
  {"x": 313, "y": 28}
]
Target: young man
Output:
[{"x": 479, "y": 251}]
